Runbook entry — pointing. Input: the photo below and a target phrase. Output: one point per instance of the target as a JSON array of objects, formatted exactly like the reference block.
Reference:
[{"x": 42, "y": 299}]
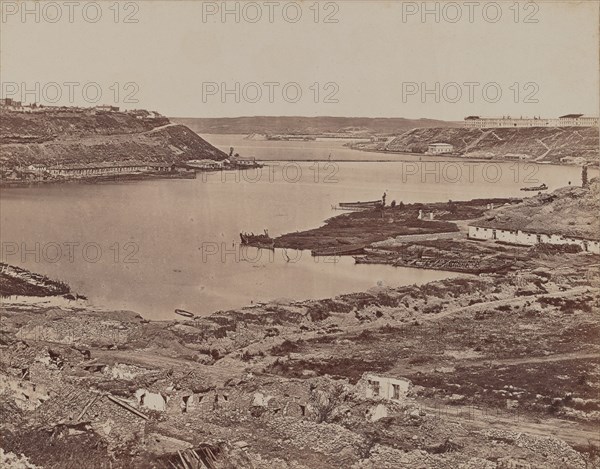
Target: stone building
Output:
[
  {"x": 568, "y": 120},
  {"x": 107, "y": 168},
  {"x": 531, "y": 238},
  {"x": 385, "y": 387},
  {"x": 439, "y": 148}
]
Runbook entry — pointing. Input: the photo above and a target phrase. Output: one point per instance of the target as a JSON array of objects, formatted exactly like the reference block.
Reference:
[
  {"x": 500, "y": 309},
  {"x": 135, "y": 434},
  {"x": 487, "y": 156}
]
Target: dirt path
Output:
[
  {"x": 505, "y": 301},
  {"x": 156, "y": 129},
  {"x": 154, "y": 361},
  {"x": 474, "y": 143},
  {"x": 487, "y": 362},
  {"x": 571, "y": 432},
  {"x": 548, "y": 150},
  {"x": 545, "y": 359}
]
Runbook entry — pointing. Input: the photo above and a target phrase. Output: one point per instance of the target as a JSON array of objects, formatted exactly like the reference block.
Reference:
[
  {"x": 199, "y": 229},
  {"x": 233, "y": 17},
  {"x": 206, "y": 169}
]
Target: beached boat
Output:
[
  {"x": 542, "y": 187},
  {"x": 369, "y": 205},
  {"x": 263, "y": 241},
  {"x": 183, "y": 312}
]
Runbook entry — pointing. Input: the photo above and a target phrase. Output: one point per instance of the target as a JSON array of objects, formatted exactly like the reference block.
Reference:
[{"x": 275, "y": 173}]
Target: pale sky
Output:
[{"x": 375, "y": 61}]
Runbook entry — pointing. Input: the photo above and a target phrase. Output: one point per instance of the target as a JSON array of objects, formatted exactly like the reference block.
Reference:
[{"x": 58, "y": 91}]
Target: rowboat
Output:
[
  {"x": 183, "y": 312},
  {"x": 369, "y": 203},
  {"x": 543, "y": 187},
  {"x": 359, "y": 205}
]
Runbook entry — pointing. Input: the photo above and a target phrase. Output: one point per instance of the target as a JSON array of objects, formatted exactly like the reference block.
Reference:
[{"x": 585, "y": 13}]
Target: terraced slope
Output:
[{"x": 64, "y": 137}]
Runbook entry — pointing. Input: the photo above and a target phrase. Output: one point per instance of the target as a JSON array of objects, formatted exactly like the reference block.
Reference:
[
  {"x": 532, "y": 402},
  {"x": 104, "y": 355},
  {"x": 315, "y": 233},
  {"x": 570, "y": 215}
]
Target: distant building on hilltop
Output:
[
  {"x": 139, "y": 113},
  {"x": 568, "y": 120},
  {"x": 107, "y": 108},
  {"x": 11, "y": 104},
  {"x": 17, "y": 106},
  {"x": 578, "y": 120},
  {"x": 144, "y": 114}
]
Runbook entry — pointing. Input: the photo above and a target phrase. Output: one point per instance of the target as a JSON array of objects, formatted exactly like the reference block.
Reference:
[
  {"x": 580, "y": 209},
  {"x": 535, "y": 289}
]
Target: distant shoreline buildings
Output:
[
  {"x": 9, "y": 104},
  {"x": 568, "y": 120}
]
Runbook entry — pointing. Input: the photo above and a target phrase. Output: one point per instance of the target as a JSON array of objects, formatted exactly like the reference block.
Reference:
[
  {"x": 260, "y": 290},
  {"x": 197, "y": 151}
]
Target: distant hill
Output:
[
  {"x": 544, "y": 144},
  {"x": 67, "y": 136},
  {"x": 306, "y": 125}
]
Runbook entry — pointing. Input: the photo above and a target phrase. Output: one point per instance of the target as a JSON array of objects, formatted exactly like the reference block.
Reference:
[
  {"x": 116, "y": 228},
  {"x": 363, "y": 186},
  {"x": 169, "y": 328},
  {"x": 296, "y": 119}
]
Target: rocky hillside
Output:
[
  {"x": 568, "y": 210},
  {"x": 84, "y": 137},
  {"x": 577, "y": 144}
]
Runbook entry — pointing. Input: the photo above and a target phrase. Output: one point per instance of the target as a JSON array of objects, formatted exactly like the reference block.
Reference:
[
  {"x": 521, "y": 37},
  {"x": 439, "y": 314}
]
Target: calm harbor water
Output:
[{"x": 152, "y": 246}]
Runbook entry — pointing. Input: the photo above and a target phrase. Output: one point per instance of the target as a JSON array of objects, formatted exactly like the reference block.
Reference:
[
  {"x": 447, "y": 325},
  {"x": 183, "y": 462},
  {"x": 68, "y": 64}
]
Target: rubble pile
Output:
[
  {"x": 12, "y": 461},
  {"x": 556, "y": 452}
]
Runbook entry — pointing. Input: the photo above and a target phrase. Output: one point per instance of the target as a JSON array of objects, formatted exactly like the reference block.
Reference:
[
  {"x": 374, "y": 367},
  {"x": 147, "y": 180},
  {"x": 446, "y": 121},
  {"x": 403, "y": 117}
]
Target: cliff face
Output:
[
  {"x": 64, "y": 137},
  {"x": 540, "y": 144}
]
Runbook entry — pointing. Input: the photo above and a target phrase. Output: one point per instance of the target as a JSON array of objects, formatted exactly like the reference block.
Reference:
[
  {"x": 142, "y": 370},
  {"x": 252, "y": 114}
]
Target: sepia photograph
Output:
[{"x": 312, "y": 234}]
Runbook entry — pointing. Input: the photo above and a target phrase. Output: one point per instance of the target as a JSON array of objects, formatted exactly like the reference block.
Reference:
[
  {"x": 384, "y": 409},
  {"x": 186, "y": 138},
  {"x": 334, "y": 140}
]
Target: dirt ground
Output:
[{"x": 501, "y": 368}]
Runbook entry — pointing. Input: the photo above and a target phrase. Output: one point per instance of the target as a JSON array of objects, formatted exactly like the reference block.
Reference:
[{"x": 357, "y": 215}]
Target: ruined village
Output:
[{"x": 299, "y": 235}]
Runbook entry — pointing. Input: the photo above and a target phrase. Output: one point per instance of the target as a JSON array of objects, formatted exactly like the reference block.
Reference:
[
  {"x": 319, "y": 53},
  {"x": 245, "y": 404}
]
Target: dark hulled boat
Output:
[
  {"x": 542, "y": 187},
  {"x": 263, "y": 241},
  {"x": 372, "y": 204},
  {"x": 183, "y": 312}
]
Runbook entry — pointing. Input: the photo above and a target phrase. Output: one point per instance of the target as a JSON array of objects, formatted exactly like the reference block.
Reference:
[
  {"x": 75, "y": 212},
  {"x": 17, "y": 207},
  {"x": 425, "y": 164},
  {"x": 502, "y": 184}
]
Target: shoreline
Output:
[
  {"x": 453, "y": 160},
  {"x": 4, "y": 184},
  {"x": 98, "y": 179},
  {"x": 188, "y": 174},
  {"x": 469, "y": 159}
]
